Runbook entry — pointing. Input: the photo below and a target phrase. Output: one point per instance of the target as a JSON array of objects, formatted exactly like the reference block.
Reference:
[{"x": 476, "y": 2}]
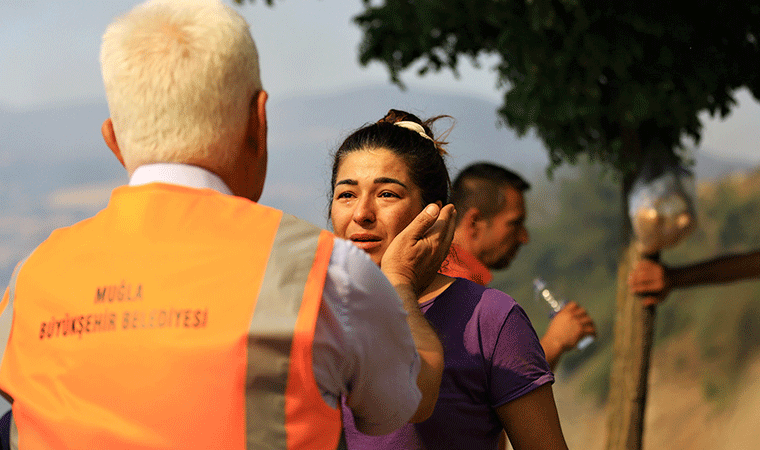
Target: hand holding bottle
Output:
[{"x": 571, "y": 326}]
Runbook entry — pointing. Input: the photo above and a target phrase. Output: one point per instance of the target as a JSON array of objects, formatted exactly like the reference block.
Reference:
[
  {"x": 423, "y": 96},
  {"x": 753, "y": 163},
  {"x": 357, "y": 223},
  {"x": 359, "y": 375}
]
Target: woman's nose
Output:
[{"x": 364, "y": 211}]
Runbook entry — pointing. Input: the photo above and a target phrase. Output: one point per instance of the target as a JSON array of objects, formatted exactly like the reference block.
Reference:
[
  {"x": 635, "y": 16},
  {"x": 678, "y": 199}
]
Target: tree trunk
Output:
[{"x": 634, "y": 333}]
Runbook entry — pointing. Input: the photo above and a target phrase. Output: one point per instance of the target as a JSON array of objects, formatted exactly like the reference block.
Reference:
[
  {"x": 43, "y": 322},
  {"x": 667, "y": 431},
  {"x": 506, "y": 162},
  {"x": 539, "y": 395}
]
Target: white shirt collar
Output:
[{"x": 180, "y": 174}]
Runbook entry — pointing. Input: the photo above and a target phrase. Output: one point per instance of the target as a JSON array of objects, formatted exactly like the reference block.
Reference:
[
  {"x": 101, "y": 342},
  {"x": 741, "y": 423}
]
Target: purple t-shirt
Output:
[{"x": 492, "y": 356}]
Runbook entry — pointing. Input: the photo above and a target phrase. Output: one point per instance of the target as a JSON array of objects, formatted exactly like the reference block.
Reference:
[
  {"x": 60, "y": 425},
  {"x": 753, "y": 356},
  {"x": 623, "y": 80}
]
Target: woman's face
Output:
[{"x": 374, "y": 200}]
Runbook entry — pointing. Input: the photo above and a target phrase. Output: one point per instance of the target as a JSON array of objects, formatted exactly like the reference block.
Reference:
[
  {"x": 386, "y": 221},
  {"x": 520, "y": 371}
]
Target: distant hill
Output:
[
  {"x": 52, "y": 134},
  {"x": 710, "y": 167},
  {"x": 57, "y": 152}
]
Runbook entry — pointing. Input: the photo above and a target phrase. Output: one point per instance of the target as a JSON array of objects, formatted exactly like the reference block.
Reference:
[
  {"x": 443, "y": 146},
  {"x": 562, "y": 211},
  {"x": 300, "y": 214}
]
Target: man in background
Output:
[
  {"x": 490, "y": 229},
  {"x": 184, "y": 314}
]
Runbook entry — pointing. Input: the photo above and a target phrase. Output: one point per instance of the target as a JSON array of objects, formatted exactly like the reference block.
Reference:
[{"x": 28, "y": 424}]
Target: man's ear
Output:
[
  {"x": 257, "y": 122},
  {"x": 472, "y": 222},
  {"x": 109, "y": 136}
]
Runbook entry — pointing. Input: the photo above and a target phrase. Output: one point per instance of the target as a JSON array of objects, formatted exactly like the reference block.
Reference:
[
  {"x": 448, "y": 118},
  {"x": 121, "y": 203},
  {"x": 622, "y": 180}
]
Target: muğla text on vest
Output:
[{"x": 118, "y": 293}]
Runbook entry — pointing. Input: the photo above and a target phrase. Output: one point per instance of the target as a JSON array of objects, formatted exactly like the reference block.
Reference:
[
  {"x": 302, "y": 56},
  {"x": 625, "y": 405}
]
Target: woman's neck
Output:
[{"x": 439, "y": 284}]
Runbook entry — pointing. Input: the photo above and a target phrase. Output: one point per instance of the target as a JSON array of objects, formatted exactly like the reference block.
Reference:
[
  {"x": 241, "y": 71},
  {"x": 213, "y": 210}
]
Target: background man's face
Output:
[{"x": 505, "y": 232}]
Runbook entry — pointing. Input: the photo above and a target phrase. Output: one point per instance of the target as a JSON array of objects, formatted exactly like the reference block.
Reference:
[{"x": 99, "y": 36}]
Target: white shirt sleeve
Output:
[{"x": 363, "y": 348}]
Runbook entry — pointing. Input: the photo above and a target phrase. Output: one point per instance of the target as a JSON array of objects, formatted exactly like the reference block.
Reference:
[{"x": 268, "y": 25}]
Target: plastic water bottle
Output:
[{"x": 543, "y": 294}]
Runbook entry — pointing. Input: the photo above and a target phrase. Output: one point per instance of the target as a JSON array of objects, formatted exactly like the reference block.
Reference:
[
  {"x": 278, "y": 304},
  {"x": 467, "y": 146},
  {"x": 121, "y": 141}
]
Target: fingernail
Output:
[{"x": 432, "y": 209}]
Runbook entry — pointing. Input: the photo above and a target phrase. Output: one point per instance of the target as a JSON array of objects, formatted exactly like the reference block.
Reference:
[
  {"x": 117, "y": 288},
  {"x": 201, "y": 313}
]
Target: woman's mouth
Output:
[{"x": 365, "y": 241}]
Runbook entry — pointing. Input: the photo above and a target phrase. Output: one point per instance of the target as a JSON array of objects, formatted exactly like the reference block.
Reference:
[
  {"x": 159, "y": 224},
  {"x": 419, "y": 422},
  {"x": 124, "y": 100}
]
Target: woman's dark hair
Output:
[{"x": 423, "y": 155}]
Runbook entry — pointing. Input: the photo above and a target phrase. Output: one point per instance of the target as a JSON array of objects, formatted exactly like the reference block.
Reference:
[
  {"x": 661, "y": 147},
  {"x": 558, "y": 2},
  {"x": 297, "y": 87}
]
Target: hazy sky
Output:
[{"x": 49, "y": 54}]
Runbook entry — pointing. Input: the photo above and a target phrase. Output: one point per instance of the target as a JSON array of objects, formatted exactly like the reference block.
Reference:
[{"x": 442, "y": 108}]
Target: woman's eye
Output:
[
  {"x": 387, "y": 194},
  {"x": 344, "y": 195}
]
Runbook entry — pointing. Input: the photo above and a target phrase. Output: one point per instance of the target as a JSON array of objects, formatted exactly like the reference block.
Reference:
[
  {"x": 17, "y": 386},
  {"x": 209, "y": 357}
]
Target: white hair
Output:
[{"x": 179, "y": 76}]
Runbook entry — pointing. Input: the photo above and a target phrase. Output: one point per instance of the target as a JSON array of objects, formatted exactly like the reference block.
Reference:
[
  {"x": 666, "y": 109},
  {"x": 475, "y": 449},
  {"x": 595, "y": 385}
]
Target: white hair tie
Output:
[{"x": 414, "y": 126}]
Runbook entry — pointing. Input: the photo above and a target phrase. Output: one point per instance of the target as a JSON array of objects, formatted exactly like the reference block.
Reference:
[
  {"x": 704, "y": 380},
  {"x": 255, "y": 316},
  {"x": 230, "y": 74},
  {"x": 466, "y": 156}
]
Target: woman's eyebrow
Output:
[
  {"x": 383, "y": 180},
  {"x": 379, "y": 180}
]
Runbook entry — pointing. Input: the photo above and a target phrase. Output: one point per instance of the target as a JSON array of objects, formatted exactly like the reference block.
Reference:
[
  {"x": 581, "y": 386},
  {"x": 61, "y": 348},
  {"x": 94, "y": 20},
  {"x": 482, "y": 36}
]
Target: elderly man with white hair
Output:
[{"x": 186, "y": 315}]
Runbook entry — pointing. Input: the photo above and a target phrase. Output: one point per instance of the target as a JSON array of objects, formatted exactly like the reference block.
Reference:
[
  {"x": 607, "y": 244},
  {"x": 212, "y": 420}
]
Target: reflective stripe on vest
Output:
[
  {"x": 6, "y": 308},
  {"x": 13, "y": 438},
  {"x": 6, "y": 320},
  {"x": 281, "y": 331},
  {"x": 131, "y": 329}
]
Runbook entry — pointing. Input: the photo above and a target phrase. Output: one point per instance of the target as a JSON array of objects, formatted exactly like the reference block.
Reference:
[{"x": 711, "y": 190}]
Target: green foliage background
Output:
[
  {"x": 574, "y": 229},
  {"x": 604, "y": 80}
]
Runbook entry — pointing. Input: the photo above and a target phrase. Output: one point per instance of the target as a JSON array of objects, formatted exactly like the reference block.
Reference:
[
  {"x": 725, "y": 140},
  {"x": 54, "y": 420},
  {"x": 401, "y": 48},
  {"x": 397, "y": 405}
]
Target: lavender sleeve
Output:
[
  {"x": 511, "y": 347},
  {"x": 363, "y": 347}
]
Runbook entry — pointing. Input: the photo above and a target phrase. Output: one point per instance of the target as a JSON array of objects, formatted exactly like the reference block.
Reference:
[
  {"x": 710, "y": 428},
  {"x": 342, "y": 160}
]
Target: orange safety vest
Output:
[{"x": 174, "y": 318}]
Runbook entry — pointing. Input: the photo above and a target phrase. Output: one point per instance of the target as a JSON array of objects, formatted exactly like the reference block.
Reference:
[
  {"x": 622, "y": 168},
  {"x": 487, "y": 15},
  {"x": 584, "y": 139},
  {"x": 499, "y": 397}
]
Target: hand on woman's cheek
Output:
[{"x": 416, "y": 253}]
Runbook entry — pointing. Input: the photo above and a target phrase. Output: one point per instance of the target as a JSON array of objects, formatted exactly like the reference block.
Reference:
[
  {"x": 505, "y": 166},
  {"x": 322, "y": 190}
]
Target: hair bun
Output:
[
  {"x": 396, "y": 117},
  {"x": 414, "y": 126}
]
